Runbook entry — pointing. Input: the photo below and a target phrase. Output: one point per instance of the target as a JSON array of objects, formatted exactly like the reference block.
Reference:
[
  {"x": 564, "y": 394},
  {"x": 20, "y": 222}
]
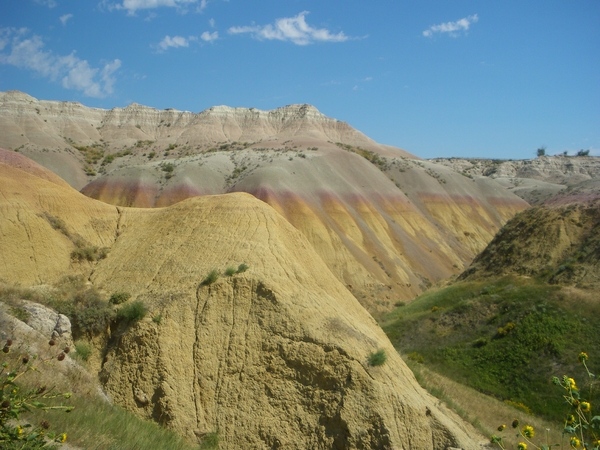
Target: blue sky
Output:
[{"x": 493, "y": 79}]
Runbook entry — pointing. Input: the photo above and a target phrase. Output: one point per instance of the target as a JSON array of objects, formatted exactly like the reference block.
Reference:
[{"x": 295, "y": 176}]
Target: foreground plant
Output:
[
  {"x": 581, "y": 427},
  {"x": 16, "y": 400}
]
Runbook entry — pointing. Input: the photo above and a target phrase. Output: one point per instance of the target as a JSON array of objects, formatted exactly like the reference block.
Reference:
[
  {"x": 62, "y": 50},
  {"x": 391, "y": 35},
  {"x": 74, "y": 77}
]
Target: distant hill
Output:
[{"x": 535, "y": 180}]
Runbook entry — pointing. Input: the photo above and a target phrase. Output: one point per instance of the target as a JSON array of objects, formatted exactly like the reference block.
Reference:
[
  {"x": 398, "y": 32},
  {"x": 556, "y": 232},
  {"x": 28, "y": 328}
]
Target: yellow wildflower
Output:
[
  {"x": 583, "y": 357},
  {"x": 522, "y": 446},
  {"x": 62, "y": 438},
  {"x": 501, "y": 427},
  {"x": 575, "y": 443},
  {"x": 585, "y": 406},
  {"x": 570, "y": 419},
  {"x": 571, "y": 383},
  {"x": 19, "y": 430},
  {"x": 528, "y": 431}
]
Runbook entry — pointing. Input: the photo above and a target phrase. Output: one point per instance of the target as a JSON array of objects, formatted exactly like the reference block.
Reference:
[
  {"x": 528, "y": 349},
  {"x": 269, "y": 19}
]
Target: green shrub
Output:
[
  {"x": 242, "y": 268},
  {"x": 378, "y": 358},
  {"x": 168, "y": 167},
  {"x": 132, "y": 312},
  {"x": 157, "y": 319},
  {"x": 416, "y": 357},
  {"x": 481, "y": 342},
  {"x": 85, "y": 252},
  {"x": 230, "y": 271},
  {"x": 210, "y": 441},
  {"x": 14, "y": 434},
  {"x": 119, "y": 297},
  {"x": 211, "y": 278},
  {"x": 83, "y": 350},
  {"x": 87, "y": 310}
]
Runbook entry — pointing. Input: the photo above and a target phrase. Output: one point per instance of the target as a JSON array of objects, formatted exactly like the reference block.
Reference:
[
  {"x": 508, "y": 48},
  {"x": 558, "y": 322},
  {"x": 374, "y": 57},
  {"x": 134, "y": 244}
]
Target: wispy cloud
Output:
[
  {"x": 73, "y": 72},
  {"x": 48, "y": 3},
  {"x": 203, "y": 4},
  {"x": 209, "y": 37},
  {"x": 293, "y": 29},
  {"x": 131, "y": 6},
  {"x": 175, "y": 42},
  {"x": 64, "y": 19},
  {"x": 452, "y": 28}
]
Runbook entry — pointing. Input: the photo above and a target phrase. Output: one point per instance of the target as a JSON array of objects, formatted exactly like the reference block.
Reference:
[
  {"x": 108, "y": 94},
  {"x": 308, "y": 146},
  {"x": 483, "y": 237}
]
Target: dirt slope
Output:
[{"x": 274, "y": 357}]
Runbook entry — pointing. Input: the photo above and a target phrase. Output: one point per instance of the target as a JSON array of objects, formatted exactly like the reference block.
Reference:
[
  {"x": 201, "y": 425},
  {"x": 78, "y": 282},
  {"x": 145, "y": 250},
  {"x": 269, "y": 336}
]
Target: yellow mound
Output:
[{"x": 276, "y": 356}]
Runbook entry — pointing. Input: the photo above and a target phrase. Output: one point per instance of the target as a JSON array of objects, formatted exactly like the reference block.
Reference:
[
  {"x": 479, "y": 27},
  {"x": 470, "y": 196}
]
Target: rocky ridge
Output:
[{"x": 535, "y": 180}]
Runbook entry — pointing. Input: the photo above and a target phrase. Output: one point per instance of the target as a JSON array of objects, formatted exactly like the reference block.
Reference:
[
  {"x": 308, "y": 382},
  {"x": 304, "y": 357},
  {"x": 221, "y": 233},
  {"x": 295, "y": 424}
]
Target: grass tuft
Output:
[
  {"x": 378, "y": 358},
  {"x": 83, "y": 350},
  {"x": 210, "y": 441},
  {"x": 211, "y": 278},
  {"x": 132, "y": 312}
]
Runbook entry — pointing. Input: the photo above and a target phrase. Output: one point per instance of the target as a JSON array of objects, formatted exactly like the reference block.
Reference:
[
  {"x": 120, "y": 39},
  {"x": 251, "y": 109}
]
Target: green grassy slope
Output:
[{"x": 503, "y": 336}]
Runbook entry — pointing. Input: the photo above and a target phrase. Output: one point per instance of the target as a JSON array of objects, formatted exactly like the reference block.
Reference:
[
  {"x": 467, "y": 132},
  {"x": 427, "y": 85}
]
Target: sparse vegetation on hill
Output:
[
  {"x": 378, "y": 160},
  {"x": 558, "y": 245},
  {"x": 503, "y": 336}
]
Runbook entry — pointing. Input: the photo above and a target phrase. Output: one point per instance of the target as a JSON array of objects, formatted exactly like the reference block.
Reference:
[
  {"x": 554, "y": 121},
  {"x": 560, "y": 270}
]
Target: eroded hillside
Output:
[
  {"x": 387, "y": 224},
  {"x": 535, "y": 180},
  {"x": 559, "y": 242},
  {"x": 276, "y": 356}
]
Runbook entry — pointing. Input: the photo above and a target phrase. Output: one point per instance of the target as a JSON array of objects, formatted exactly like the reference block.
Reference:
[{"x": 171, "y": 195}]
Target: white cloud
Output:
[
  {"x": 293, "y": 29},
  {"x": 74, "y": 73},
  {"x": 65, "y": 18},
  {"x": 452, "y": 27},
  {"x": 133, "y": 5},
  {"x": 175, "y": 42},
  {"x": 209, "y": 37},
  {"x": 48, "y": 3},
  {"x": 202, "y": 5},
  {"x": 211, "y": 22}
]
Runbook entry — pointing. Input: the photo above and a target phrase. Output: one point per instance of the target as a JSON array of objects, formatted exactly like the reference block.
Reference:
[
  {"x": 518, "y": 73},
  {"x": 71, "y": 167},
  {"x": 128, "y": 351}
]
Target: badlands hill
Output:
[
  {"x": 386, "y": 223},
  {"x": 558, "y": 241},
  {"x": 275, "y": 357},
  {"x": 534, "y": 180}
]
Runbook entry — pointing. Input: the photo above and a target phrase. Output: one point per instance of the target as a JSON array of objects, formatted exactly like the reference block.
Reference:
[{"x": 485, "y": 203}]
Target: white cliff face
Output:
[{"x": 30, "y": 123}]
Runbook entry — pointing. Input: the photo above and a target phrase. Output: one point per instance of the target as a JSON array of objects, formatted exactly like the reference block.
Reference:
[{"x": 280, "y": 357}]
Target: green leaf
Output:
[{"x": 32, "y": 436}]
